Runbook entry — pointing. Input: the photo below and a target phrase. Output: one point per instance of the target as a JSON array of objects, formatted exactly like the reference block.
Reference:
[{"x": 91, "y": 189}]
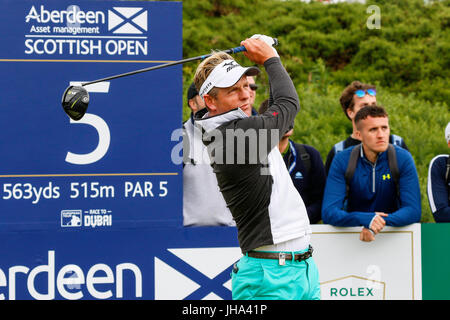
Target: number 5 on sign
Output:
[{"x": 104, "y": 136}]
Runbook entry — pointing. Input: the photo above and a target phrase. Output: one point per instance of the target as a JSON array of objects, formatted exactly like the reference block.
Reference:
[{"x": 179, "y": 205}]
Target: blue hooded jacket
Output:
[{"x": 372, "y": 189}]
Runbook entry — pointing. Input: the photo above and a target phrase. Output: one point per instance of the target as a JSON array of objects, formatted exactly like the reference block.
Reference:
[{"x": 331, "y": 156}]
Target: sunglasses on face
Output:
[
  {"x": 361, "y": 93},
  {"x": 253, "y": 86}
]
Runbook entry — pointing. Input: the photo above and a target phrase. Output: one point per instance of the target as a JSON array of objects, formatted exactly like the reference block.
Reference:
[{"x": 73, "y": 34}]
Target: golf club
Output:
[{"x": 75, "y": 99}]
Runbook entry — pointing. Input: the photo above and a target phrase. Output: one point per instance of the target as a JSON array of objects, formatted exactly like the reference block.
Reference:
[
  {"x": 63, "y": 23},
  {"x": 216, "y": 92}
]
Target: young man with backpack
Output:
[
  {"x": 383, "y": 188},
  {"x": 438, "y": 189},
  {"x": 354, "y": 97}
]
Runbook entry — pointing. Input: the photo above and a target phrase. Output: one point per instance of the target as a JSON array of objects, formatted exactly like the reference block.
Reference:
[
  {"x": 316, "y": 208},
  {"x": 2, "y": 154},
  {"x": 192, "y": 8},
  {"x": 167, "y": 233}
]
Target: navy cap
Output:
[{"x": 192, "y": 92}]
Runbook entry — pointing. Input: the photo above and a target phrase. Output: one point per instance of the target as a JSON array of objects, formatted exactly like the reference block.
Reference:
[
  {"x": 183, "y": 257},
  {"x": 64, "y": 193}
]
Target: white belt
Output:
[{"x": 293, "y": 245}]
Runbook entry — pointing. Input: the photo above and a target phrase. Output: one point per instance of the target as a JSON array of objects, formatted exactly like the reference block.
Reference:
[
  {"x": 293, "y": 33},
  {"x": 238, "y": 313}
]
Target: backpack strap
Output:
[
  {"x": 351, "y": 166},
  {"x": 302, "y": 154},
  {"x": 393, "y": 166},
  {"x": 305, "y": 157}
]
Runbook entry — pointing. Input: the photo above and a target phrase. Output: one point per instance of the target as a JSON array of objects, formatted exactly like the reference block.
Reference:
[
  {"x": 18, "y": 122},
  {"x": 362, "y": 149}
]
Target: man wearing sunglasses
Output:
[{"x": 354, "y": 97}]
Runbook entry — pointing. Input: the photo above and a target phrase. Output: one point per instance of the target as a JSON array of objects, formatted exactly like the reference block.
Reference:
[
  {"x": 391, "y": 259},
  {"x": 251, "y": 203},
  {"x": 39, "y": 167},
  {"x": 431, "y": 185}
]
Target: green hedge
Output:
[
  {"x": 325, "y": 47},
  {"x": 409, "y": 53}
]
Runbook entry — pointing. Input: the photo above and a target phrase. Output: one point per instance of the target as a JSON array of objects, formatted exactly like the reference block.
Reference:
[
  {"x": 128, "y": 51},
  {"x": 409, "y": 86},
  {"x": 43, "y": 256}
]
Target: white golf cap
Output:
[
  {"x": 226, "y": 74},
  {"x": 447, "y": 132}
]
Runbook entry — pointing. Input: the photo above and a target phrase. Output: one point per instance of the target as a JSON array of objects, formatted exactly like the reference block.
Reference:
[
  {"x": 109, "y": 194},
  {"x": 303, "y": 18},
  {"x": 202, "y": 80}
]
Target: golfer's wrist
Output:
[{"x": 271, "y": 61}]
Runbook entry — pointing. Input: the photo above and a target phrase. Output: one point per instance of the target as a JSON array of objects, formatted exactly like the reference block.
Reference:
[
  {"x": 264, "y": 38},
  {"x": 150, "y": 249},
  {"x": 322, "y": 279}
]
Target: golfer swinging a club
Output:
[{"x": 271, "y": 218}]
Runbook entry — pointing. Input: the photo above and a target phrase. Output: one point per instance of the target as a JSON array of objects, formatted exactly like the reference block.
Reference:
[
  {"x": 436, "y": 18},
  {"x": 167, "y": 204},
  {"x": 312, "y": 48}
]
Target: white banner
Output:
[{"x": 388, "y": 268}]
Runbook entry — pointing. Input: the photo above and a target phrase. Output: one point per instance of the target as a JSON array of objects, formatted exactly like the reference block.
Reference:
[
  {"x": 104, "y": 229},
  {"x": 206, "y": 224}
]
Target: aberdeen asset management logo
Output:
[{"x": 127, "y": 20}]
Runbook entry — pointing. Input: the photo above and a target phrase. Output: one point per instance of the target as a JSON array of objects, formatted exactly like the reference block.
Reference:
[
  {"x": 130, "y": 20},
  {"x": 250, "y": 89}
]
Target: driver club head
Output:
[{"x": 75, "y": 102}]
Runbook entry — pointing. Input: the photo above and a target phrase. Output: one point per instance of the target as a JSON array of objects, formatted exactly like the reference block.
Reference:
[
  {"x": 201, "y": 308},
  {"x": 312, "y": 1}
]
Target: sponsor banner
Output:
[
  {"x": 195, "y": 263},
  {"x": 171, "y": 263},
  {"x": 135, "y": 30},
  {"x": 114, "y": 167},
  {"x": 388, "y": 268}
]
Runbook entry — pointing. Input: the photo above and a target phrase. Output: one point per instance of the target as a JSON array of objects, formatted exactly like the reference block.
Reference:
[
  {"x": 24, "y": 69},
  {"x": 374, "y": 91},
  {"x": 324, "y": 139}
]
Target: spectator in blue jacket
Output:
[
  {"x": 306, "y": 169},
  {"x": 439, "y": 184},
  {"x": 372, "y": 197}
]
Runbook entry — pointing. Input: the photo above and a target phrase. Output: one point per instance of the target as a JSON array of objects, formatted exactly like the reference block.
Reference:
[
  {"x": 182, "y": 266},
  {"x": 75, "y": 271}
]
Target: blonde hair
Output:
[{"x": 206, "y": 67}]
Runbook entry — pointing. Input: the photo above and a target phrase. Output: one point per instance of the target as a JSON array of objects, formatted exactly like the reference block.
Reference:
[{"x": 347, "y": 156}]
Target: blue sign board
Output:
[
  {"x": 142, "y": 263},
  {"x": 116, "y": 167},
  {"x": 92, "y": 209}
]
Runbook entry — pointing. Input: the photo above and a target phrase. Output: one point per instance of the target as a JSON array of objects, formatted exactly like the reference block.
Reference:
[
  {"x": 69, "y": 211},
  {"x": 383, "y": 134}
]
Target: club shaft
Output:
[{"x": 229, "y": 51}]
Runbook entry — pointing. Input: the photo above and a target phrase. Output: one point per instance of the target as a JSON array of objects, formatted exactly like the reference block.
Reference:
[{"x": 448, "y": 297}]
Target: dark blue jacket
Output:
[
  {"x": 372, "y": 189},
  {"x": 310, "y": 184},
  {"x": 437, "y": 189}
]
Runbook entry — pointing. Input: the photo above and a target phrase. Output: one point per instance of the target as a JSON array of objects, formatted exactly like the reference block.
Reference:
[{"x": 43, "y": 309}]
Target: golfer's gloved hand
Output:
[{"x": 266, "y": 39}]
